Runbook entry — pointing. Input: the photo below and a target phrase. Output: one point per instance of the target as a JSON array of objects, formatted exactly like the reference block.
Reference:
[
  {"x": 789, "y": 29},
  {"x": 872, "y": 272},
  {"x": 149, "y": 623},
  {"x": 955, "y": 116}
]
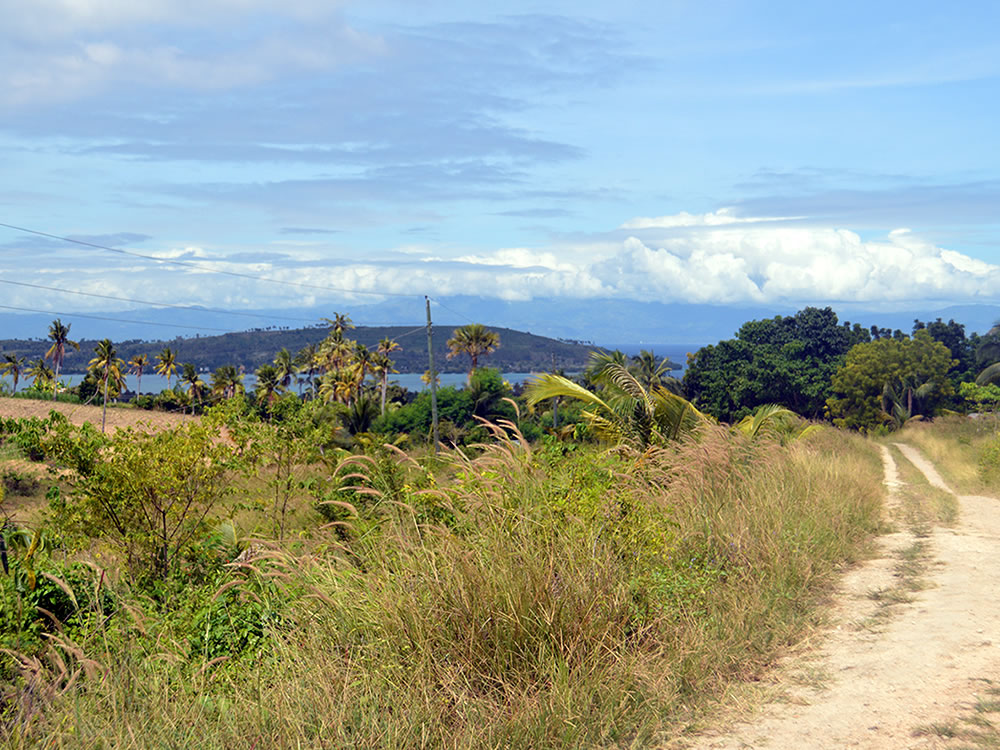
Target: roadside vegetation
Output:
[{"x": 590, "y": 562}]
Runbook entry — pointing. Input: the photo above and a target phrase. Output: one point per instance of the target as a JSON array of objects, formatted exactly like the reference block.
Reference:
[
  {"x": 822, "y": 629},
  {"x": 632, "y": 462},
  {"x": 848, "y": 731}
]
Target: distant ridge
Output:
[
  {"x": 607, "y": 322},
  {"x": 518, "y": 352}
]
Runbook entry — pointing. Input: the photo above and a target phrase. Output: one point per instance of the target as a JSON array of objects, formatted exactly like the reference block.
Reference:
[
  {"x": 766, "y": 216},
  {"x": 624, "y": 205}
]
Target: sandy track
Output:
[
  {"x": 77, "y": 414},
  {"x": 915, "y": 669}
]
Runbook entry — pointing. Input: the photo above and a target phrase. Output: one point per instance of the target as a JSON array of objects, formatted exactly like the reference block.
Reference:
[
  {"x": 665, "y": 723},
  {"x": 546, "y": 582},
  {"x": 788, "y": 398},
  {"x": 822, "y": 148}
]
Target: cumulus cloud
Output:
[
  {"x": 736, "y": 263},
  {"x": 719, "y": 258}
]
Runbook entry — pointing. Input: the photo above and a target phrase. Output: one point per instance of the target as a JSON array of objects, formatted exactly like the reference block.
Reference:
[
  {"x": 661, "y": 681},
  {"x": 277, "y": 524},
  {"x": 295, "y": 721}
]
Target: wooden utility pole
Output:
[{"x": 433, "y": 373}]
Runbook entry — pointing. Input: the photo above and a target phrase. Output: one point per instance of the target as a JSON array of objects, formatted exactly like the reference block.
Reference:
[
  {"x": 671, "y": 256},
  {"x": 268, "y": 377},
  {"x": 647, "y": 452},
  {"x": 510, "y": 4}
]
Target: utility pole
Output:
[{"x": 433, "y": 373}]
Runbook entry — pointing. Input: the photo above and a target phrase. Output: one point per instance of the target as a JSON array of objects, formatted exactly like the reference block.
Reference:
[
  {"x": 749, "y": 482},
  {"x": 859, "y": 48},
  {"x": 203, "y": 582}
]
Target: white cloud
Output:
[
  {"x": 728, "y": 264},
  {"x": 48, "y": 18},
  {"x": 52, "y": 50},
  {"x": 721, "y": 217}
]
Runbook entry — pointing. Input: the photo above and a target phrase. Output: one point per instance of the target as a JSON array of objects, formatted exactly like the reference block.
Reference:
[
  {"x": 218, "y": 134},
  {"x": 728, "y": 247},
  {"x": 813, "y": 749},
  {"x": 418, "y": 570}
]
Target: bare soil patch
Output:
[
  {"x": 885, "y": 683},
  {"x": 78, "y": 414}
]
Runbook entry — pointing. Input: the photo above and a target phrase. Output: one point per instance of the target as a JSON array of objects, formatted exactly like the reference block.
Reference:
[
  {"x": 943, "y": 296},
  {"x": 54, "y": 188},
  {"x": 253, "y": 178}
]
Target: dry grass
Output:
[
  {"x": 78, "y": 414},
  {"x": 537, "y": 601},
  {"x": 954, "y": 445}
]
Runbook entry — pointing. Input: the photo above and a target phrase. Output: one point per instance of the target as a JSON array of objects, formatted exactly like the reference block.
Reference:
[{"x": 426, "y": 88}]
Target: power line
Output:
[
  {"x": 461, "y": 315},
  {"x": 114, "y": 320},
  {"x": 157, "y": 304},
  {"x": 201, "y": 267}
]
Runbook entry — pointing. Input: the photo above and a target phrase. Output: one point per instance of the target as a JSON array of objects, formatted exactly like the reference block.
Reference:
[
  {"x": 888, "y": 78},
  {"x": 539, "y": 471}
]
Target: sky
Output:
[{"x": 731, "y": 153}]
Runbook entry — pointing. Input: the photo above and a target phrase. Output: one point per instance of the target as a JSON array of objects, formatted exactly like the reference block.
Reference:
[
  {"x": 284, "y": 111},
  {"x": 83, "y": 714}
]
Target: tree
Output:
[
  {"x": 137, "y": 365},
  {"x": 268, "y": 385},
  {"x": 107, "y": 366},
  {"x": 362, "y": 363},
  {"x": 651, "y": 373},
  {"x": 285, "y": 367},
  {"x": 624, "y": 412},
  {"x": 305, "y": 362},
  {"x": 227, "y": 381},
  {"x": 15, "y": 366},
  {"x": 167, "y": 364},
  {"x": 476, "y": 341},
  {"x": 151, "y": 494},
  {"x": 382, "y": 364},
  {"x": 339, "y": 323},
  {"x": 40, "y": 373},
  {"x": 59, "y": 334},
  {"x": 881, "y": 375},
  {"x": 196, "y": 385},
  {"x": 786, "y": 360}
]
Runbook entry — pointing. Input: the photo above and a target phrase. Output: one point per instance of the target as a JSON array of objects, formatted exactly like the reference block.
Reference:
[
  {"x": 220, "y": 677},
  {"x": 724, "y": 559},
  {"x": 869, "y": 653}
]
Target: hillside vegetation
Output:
[
  {"x": 519, "y": 352},
  {"x": 522, "y": 598}
]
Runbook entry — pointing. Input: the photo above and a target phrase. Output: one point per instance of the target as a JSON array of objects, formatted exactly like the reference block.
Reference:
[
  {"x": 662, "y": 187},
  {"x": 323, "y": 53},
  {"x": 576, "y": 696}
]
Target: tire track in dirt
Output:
[{"x": 920, "y": 667}]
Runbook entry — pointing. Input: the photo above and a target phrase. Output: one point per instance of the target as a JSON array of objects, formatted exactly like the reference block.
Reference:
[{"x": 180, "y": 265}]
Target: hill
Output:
[{"x": 518, "y": 352}]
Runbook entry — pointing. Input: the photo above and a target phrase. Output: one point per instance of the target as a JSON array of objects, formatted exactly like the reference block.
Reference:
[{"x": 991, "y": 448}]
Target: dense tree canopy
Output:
[
  {"x": 786, "y": 360},
  {"x": 890, "y": 380}
]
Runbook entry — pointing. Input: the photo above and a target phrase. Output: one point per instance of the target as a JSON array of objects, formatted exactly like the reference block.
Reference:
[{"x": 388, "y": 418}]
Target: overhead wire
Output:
[
  {"x": 157, "y": 304},
  {"x": 201, "y": 267},
  {"x": 114, "y": 320}
]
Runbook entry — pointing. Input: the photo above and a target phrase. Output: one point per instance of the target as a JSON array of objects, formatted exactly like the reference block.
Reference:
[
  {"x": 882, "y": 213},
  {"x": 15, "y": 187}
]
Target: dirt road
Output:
[{"x": 881, "y": 680}]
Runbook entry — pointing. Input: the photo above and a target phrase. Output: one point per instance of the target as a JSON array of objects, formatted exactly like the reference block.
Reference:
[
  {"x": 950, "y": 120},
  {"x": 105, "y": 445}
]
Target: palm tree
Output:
[
  {"x": 195, "y": 384},
  {"x": 381, "y": 368},
  {"x": 14, "y": 365},
  {"x": 136, "y": 366},
  {"x": 475, "y": 340},
  {"x": 382, "y": 364},
  {"x": 362, "y": 362},
  {"x": 339, "y": 323},
  {"x": 268, "y": 384},
  {"x": 167, "y": 366},
  {"x": 107, "y": 366},
  {"x": 305, "y": 362},
  {"x": 59, "y": 334},
  {"x": 39, "y": 372},
  {"x": 625, "y": 412},
  {"x": 227, "y": 381},
  {"x": 647, "y": 370},
  {"x": 285, "y": 367}
]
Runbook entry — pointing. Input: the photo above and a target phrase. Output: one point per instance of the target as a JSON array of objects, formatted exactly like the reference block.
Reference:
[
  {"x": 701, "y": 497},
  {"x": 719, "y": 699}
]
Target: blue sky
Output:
[{"x": 728, "y": 152}]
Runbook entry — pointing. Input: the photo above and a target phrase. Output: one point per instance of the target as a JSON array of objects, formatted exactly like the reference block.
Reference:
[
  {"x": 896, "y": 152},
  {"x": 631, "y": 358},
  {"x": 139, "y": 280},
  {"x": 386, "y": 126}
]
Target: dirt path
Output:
[{"x": 881, "y": 680}]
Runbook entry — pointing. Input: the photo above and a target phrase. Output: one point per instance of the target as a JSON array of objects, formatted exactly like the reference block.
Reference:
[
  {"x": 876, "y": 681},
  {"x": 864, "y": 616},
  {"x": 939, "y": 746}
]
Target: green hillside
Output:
[{"x": 518, "y": 352}]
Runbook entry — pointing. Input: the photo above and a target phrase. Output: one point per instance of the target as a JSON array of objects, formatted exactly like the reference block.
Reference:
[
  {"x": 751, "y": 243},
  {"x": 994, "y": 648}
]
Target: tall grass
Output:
[
  {"x": 956, "y": 445},
  {"x": 534, "y": 601}
]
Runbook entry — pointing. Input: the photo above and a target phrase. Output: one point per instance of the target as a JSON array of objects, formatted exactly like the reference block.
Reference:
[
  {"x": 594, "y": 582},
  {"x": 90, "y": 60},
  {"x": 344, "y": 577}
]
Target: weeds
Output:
[{"x": 529, "y": 600}]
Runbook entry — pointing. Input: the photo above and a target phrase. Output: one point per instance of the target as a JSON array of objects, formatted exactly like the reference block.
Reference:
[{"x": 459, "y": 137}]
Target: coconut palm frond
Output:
[
  {"x": 550, "y": 386},
  {"x": 767, "y": 416},
  {"x": 990, "y": 375}
]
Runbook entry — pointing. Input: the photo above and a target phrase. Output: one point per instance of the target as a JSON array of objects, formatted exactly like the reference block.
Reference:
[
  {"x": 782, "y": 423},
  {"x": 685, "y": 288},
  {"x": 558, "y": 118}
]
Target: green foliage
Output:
[
  {"x": 152, "y": 494},
  {"x": 623, "y": 411},
  {"x": 989, "y": 464},
  {"x": 483, "y": 398},
  {"x": 786, "y": 360},
  {"x": 888, "y": 381},
  {"x": 982, "y": 397}
]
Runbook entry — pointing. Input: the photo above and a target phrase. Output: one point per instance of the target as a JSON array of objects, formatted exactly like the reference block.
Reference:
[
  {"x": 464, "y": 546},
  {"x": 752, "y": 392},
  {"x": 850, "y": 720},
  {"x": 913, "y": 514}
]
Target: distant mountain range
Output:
[{"x": 609, "y": 323}]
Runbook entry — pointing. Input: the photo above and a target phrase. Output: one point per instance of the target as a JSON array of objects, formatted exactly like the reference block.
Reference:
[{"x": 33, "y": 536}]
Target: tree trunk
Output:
[
  {"x": 104, "y": 413},
  {"x": 55, "y": 383},
  {"x": 385, "y": 383}
]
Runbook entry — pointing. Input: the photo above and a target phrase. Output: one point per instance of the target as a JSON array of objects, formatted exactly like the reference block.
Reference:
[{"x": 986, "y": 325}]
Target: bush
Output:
[{"x": 16, "y": 483}]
